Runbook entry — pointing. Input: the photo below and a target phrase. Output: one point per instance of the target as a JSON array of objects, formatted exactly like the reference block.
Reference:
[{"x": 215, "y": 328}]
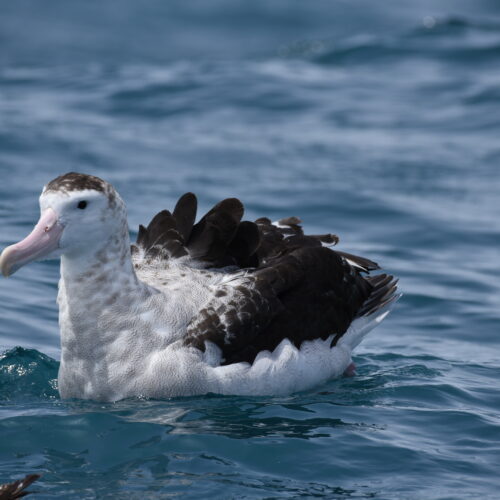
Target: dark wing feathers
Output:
[
  {"x": 213, "y": 234},
  {"x": 142, "y": 237},
  {"x": 234, "y": 325},
  {"x": 383, "y": 292},
  {"x": 185, "y": 214},
  {"x": 217, "y": 239},
  {"x": 288, "y": 236},
  {"x": 364, "y": 263},
  {"x": 244, "y": 245},
  {"x": 307, "y": 294},
  {"x": 295, "y": 287},
  {"x": 163, "y": 237},
  {"x": 220, "y": 238}
]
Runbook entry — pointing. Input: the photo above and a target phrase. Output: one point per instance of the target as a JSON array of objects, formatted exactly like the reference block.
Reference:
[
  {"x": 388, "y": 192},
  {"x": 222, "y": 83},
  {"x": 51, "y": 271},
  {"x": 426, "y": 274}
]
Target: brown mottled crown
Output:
[{"x": 74, "y": 181}]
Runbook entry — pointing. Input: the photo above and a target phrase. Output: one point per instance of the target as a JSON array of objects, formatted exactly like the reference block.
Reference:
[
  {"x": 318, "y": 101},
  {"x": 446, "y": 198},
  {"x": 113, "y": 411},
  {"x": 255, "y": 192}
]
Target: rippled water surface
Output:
[{"x": 379, "y": 121}]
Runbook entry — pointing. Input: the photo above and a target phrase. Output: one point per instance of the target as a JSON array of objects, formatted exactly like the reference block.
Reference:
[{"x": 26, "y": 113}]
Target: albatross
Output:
[{"x": 222, "y": 305}]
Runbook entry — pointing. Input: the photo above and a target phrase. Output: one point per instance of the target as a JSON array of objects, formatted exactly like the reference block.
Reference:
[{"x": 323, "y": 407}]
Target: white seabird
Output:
[{"x": 221, "y": 306}]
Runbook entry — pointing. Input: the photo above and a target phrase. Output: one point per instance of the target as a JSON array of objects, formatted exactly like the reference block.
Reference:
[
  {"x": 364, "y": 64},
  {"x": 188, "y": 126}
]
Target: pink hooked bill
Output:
[{"x": 40, "y": 242}]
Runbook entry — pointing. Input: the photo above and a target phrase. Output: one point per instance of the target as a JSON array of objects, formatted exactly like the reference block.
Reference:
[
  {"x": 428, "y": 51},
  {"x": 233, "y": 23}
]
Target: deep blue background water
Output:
[{"x": 379, "y": 121}]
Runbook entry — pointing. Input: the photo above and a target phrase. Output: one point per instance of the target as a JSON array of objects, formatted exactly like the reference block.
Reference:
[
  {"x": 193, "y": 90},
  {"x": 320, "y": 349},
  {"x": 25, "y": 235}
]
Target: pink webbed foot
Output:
[{"x": 350, "y": 371}]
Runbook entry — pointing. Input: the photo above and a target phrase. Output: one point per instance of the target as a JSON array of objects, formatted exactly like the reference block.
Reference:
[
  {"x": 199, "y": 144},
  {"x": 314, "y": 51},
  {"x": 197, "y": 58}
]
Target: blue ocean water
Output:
[{"x": 379, "y": 121}]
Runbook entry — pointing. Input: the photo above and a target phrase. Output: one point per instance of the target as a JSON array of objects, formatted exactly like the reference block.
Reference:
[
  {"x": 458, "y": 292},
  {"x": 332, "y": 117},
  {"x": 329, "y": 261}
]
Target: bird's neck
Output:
[
  {"x": 100, "y": 302},
  {"x": 101, "y": 267},
  {"x": 94, "y": 288}
]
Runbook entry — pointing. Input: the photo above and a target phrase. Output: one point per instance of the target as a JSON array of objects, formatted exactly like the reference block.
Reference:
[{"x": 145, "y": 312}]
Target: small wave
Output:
[
  {"x": 450, "y": 39},
  {"x": 27, "y": 373}
]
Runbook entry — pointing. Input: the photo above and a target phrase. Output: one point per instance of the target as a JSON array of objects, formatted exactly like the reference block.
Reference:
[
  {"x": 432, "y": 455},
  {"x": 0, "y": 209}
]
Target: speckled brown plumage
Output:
[{"x": 74, "y": 181}]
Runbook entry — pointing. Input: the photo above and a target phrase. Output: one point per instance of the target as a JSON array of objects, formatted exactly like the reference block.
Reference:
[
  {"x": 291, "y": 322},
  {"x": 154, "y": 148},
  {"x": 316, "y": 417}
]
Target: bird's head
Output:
[{"x": 78, "y": 215}]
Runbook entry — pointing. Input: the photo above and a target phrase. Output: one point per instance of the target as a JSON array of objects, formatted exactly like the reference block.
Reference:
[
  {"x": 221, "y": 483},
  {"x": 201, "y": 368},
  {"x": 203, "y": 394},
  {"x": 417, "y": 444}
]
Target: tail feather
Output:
[
  {"x": 364, "y": 324},
  {"x": 383, "y": 292},
  {"x": 374, "y": 310}
]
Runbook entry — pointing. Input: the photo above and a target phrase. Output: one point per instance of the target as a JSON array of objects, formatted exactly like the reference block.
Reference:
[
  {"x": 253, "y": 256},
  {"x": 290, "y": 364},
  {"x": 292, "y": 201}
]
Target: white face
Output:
[
  {"x": 72, "y": 223},
  {"x": 86, "y": 217}
]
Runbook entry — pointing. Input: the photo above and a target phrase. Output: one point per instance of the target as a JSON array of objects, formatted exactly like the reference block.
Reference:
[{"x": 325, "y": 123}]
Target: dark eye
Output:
[{"x": 82, "y": 204}]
